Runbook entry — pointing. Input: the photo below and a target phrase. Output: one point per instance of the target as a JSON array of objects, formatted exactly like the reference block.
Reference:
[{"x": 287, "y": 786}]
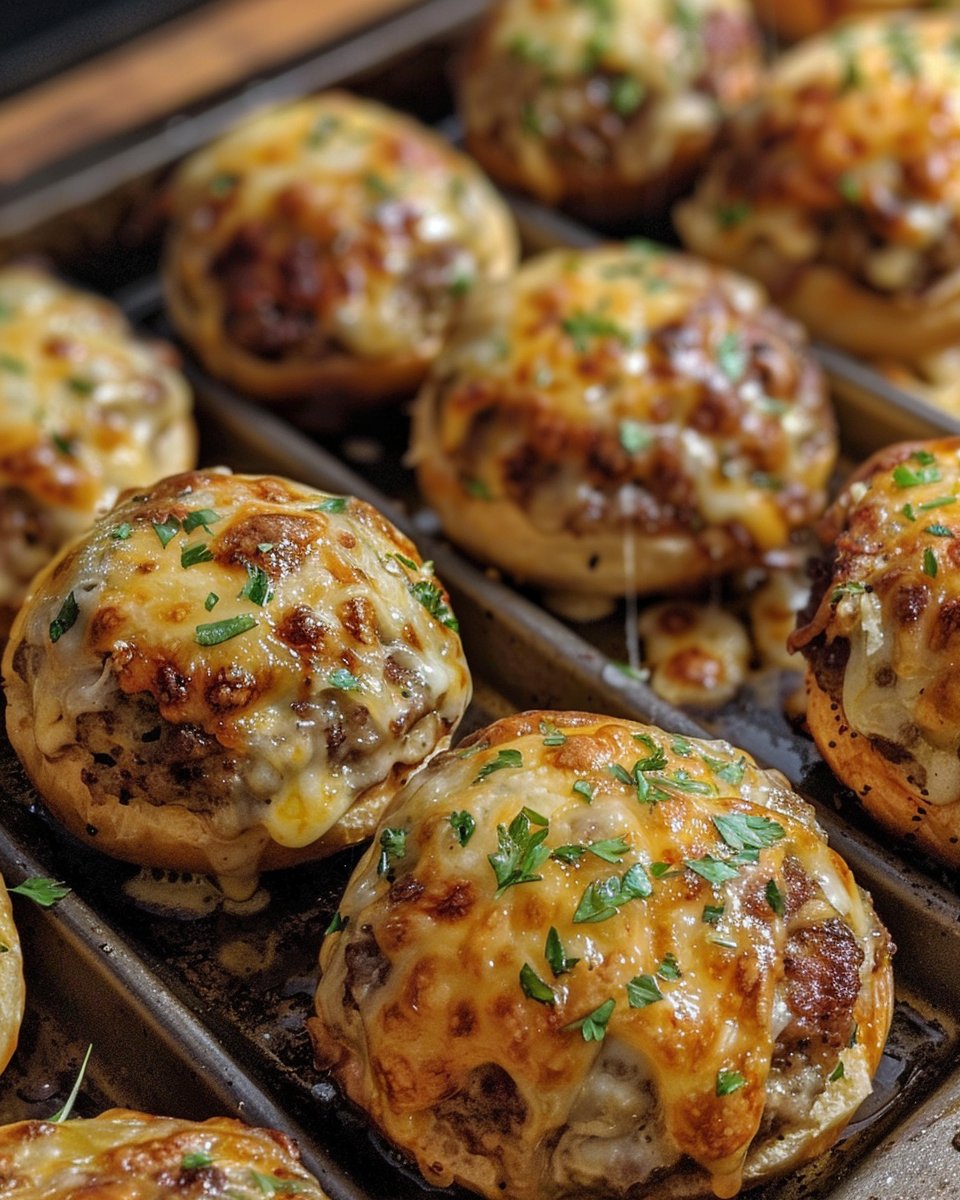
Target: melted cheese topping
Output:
[
  {"x": 86, "y": 410},
  {"x": 849, "y": 160},
  {"x": 895, "y": 597},
  {"x": 360, "y": 226},
  {"x": 571, "y": 98},
  {"x": 302, "y": 632},
  {"x": 422, "y": 1006},
  {"x": 142, "y": 1157},
  {"x": 697, "y": 653},
  {"x": 629, "y": 387}
]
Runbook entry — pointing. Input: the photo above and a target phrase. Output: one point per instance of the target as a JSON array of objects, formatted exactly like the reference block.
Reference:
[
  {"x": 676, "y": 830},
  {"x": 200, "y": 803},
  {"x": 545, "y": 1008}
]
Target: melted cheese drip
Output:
[
  {"x": 380, "y": 659},
  {"x": 455, "y": 950}
]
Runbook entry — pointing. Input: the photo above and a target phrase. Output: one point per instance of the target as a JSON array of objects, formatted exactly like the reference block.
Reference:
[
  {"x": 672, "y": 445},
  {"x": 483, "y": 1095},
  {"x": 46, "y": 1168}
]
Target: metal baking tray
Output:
[{"x": 204, "y": 1016}]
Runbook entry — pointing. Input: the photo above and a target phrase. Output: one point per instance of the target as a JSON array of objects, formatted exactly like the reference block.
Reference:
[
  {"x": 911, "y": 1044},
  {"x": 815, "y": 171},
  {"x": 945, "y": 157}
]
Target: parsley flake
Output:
[
  {"x": 731, "y": 356},
  {"x": 42, "y": 891},
  {"x": 583, "y": 787},
  {"x": 713, "y": 870},
  {"x": 929, "y": 563},
  {"x": 643, "y": 990},
  {"x": 729, "y": 772},
  {"x": 431, "y": 597},
  {"x": 711, "y": 914},
  {"x": 200, "y": 517},
  {"x": 195, "y": 1160},
  {"x": 938, "y": 530},
  {"x": 506, "y": 759},
  {"x": 216, "y": 632},
  {"x": 732, "y": 214},
  {"x": 166, "y": 530},
  {"x": 332, "y": 504},
  {"x": 65, "y": 618},
  {"x": 603, "y": 897},
  {"x": 851, "y": 588},
  {"x": 121, "y": 532},
  {"x": 907, "y": 477},
  {"x": 271, "y": 1185},
  {"x": 556, "y": 956},
  {"x": 669, "y": 968},
  {"x": 199, "y": 552},
  {"x": 211, "y": 601},
  {"x": 520, "y": 852},
  {"x": 581, "y": 326},
  {"x": 739, "y": 830},
  {"x": 463, "y": 825},
  {"x": 59, "y": 1117},
  {"x": 257, "y": 587},
  {"x": 337, "y": 924},
  {"x": 836, "y": 1073},
  {"x": 80, "y": 385},
  {"x": 593, "y": 1026},
  {"x": 533, "y": 986},
  {"x": 393, "y": 846},
  {"x": 552, "y": 736},
  {"x": 343, "y": 680},
  {"x": 729, "y": 1081},
  {"x": 626, "y": 95},
  {"x": 634, "y": 436}
]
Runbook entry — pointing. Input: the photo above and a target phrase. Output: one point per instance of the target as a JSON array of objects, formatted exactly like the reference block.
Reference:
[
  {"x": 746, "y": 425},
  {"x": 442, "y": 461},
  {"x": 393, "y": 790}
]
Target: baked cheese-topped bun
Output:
[
  {"x": 801, "y": 18},
  {"x": 86, "y": 410},
  {"x": 320, "y": 250},
  {"x": 839, "y": 186},
  {"x": 12, "y": 990},
  {"x": 586, "y": 957},
  {"x": 605, "y": 108},
  {"x": 623, "y": 419},
  {"x": 231, "y": 673},
  {"x": 137, "y": 1156},
  {"x": 880, "y": 638}
]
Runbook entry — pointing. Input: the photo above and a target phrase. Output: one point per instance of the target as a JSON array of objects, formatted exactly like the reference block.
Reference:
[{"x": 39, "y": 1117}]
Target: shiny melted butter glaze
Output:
[
  {"x": 848, "y": 161},
  {"x": 629, "y": 388},
  {"x": 336, "y": 660},
  {"x": 86, "y": 410},
  {"x": 423, "y": 1018},
  {"x": 894, "y": 603},
  {"x": 363, "y": 227},
  {"x": 143, "y": 1157}
]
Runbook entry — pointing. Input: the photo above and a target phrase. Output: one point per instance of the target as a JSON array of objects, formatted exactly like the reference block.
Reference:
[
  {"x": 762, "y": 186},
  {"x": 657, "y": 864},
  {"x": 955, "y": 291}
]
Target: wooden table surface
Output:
[{"x": 179, "y": 63}]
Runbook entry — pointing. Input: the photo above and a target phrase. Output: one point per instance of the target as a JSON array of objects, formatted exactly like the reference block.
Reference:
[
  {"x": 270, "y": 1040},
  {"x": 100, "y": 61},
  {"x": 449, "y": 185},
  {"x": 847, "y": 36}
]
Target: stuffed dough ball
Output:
[
  {"x": 802, "y": 18},
  {"x": 86, "y": 410},
  {"x": 12, "y": 988},
  {"x": 881, "y": 639},
  {"x": 839, "y": 187},
  {"x": 605, "y": 109},
  {"x": 584, "y": 956},
  {"x": 143, "y": 1157},
  {"x": 623, "y": 419},
  {"x": 231, "y": 673},
  {"x": 318, "y": 252}
]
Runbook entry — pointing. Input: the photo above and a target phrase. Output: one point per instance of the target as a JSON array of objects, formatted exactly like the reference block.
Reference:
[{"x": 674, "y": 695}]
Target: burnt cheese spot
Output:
[
  {"x": 288, "y": 536},
  {"x": 301, "y": 628},
  {"x": 232, "y": 687}
]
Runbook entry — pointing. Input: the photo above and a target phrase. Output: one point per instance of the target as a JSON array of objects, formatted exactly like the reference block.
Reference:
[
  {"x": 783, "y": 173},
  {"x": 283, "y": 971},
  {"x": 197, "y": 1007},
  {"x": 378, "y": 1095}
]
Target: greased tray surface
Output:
[{"x": 203, "y": 1016}]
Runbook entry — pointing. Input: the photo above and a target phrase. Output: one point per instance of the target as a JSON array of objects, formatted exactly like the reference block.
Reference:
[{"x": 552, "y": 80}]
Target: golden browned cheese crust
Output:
[
  {"x": 881, "y": 642},
  {"x": 623, "y": 419},
  {"x": 605, "y": 108},
  {"x": 320, "y": 250},
  {"x": 802, "y": 18},
  {"x": 839, "y": 186},
  {"x": 12, "y": 989},
  {"x": 586, "y": 957},
  {"x": 86, "y": 410},
  {"x": 231, "y": 672},
  {"x": 137, "y": 1156}
]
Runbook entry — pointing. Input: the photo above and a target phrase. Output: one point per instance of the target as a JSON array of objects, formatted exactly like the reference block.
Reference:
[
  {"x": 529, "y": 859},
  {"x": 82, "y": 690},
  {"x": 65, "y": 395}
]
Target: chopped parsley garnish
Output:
[
  {"x": 938, "y": 530},
  {"x": 836, "y": 1073},
  {"x": 477, "y": 489},
  {"x": 80, "y": 385},
  {"x": 669, "y": 968},
  {"x": 121, "y": 532},
  {"x": 603, "y": 897},
  {"x": 663, "y": 870},
  {"x": 222, "y": 631},
  {"x": 729, "y": 1081},
  {"x": 610, "y": 850},
  {"x": 270, "y": 1185},
  {"x": 223, "y": 183},
  {"x": 42, "y": 891},
  {"x": 711, "y": 914},
  {"x": 524, "y": 49},
  {"x": 195, "y": 1160},
  {"x": 393, "y": 846},
  {"x": 199, "y": 552},
  {"x": 581, "y": 326},
  {"x": 903, "y": 50},
  {"x": 506, "y": 759},
  {"x": 714, "y": 870},
  {"x": 593, "y": 1026},
  {"x": 377, "y": 186},
  {"x": 333, "y": 504},
  {"x": 266, "y": 547},
  {"x": 626, "y": 95},
  {"x": 739, "y": 830},
  {"x": 730, "y": 215},
  {"x": 584, "y": 788},
  {"x": 166, "y": 530},
  {"x": 907, "y": 477},
  {"x": 552, "y": 736},
  {"x": 556, "y": 956},
  {"x": 852, "y": 588},
  {"x": 211, "y": 601},
  {"x": 533, "y": 986},
  {"x": 634, "y": 436},
  {"x": 59, "y": 1117},
  {"x": 530, "y": 120},
  {"x": 323, "y": 130},
  {"x": 337, "y": 924},
  {"x": 65, "y": 618},
  {"x": 470, "y": 751},
  {"x": 404, "y": 561},
  {"x": 684, "y": 782},
  {"x": 775, "y": 898},
  {"x": 729, "y": 772},
  {"x": 15, "y": 366},
  {"x": 63, "y": 444},
  {"x": 940, "y": 502},
  {"x": 257, "y": 587},
  {"x": 462, "y": 283},
  {"x": 520, "y": 852},
  {"x": 680, "y": 745},
  {"x": 929, "y": 563},
  {"x": 201, "y": 516},
  {"x": 431, "y": 597},
  {"x": 463, "y": 825},
  {"x": 643, "y": 990},
  {"x": 849, "y": 187},
  {"x": 732, "y": 357},
  {"x": 343, "y": 680}
]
